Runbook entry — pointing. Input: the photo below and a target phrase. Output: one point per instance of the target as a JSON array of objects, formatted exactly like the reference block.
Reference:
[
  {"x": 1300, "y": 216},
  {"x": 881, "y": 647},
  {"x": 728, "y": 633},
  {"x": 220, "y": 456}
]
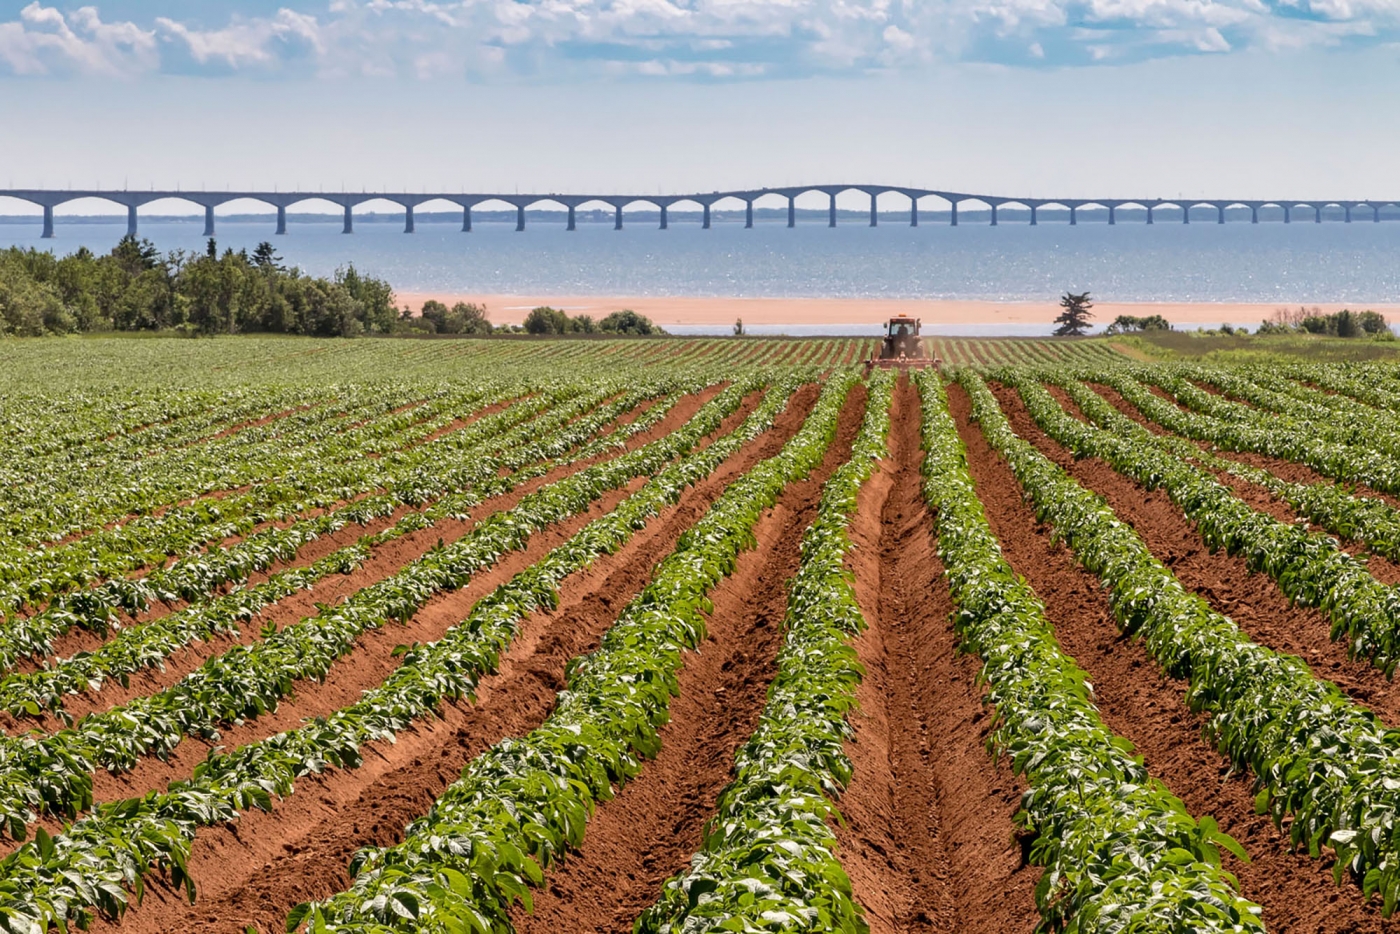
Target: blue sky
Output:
[{"x": 1238, "y": 98}]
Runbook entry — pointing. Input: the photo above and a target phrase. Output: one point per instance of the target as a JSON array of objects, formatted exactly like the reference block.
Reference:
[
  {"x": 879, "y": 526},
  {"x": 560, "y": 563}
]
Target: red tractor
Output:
[{"x": 901, "y": 346}]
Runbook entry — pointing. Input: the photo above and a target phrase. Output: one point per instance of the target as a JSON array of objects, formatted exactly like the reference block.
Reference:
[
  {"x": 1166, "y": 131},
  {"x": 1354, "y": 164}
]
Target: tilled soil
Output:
[
  {"x": 928, "y": 838},
  {"x": 1385, "y": 569},
  {"x": 387, "y": 560},
  {"x": 255, "y": 872},
  {"x": 1252, "y": 600},
  {"x": 372, "y": 659},
  {"x": 650, "y": 830},
  {"x": 1138, "y": 702},
  {"x": 927, "y": 834}
]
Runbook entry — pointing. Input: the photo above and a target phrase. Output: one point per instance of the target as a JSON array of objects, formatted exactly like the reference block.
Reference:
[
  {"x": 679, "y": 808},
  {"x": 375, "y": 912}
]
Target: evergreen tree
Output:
[{"x": 1073, "y": 320}]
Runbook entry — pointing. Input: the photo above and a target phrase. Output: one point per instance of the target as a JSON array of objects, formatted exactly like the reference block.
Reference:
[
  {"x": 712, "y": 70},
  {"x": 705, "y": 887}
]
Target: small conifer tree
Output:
[{"x": 1074, "y": 316}]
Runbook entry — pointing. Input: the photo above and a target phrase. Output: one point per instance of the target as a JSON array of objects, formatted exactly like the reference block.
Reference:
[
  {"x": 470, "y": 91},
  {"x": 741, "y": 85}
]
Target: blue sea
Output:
[{"x": 1299, "y": 263}]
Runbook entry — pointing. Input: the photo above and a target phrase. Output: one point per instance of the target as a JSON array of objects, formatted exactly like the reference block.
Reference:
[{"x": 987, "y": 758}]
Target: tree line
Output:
[{"x": 135, "y": 287}]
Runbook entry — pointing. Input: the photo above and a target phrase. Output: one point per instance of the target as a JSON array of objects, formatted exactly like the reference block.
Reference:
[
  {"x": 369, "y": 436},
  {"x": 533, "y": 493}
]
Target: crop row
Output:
[
  {"x": 1120, "y": 851},
  {"x": 459, "y": 486},
  {"x": 520, "y": 806},
  {"x": 768, "y": 858},
  {"x": 55, "y": 508},
  {"x": 1364, "y": 519},
  {"x": 33, "y": 577},
  {"x": 1275, "y": 436},
  {"x": 53, "y": 773},
  {"x": 1316, "y": 756},
  {"x": 1262, "y": 393},
  {"x": 1310, "y": 568},
  {"x": 197, "y": 575},
  {"x": 90, "y": 867}
]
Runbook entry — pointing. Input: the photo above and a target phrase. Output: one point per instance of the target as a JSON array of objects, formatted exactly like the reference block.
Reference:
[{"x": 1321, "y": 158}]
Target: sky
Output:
[{"x": 1039, "y": 98}]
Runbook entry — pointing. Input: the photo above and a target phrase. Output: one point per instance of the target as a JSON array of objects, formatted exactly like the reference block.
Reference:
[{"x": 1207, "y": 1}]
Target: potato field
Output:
[{"x": 684, "y": 635}]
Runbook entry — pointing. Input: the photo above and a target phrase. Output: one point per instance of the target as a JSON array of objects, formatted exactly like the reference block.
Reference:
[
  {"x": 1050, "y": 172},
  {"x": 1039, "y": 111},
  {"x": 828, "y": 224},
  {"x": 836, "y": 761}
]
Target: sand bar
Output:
[{"x": 977, "y": 316}]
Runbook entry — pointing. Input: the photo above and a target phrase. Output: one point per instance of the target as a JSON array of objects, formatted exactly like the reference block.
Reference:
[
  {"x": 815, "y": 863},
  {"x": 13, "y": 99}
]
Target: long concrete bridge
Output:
[{"x": 49, "y": 199}]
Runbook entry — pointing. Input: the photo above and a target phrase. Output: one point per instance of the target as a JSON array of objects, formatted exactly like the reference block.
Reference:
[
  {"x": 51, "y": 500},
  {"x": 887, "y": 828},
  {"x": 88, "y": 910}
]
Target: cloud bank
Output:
[{"x": 685, "y": 39}]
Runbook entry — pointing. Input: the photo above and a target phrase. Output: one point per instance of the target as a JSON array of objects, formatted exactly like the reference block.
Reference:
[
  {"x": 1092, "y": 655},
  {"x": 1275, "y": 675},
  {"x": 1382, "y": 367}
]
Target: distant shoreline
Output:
[{"x": 864, "y": 315}]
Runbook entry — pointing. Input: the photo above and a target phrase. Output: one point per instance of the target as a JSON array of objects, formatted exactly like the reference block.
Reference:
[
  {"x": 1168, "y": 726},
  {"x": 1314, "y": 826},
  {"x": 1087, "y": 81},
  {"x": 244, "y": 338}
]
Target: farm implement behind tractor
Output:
[{"x": 902, "y": 347}]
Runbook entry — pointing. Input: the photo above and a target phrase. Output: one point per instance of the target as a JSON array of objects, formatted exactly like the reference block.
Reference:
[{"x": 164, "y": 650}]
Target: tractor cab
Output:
[{"x": 901, "y": 345}]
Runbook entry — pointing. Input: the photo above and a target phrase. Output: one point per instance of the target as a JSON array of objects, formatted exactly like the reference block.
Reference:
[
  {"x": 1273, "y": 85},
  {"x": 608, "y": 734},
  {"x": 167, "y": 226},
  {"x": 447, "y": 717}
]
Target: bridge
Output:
[{"x": 48, "y": 199}]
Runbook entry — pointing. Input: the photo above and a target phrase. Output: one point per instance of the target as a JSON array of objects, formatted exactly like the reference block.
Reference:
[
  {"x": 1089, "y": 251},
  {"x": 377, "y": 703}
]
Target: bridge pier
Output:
[
  {"x": 705, "y": 224},
  {"x": 408, "y": 218},
  {"x": 1073, "y": 215},
  {"x": 349, "y": 226},
  {"x": 1034, "y": 209},
  {"x": 663, "y": 217},
  {"x": 281, "y": 218},
  {"x": 466, "y": 218},
  {"x": 994, "y": 215},
  {"x": 1287, "y": 215},
  {"x": 1375, "y": 213},
  {"x": 953, "y": 214},
  {"x": 1254, "y": 213},
  {"x": 748, "y": 214},
  {"x": 913, "y": 211},
  {"x": 131, "y": 220},
  {"x": 571, "y": 219},
  {"x": 1112, "y": 215},
  {"x": 48, "y": 222},
  {"x": 209, "y": 220},
  {"x": 1347, "y": 208},
  {"x": 1220, "y": 213},
  {"x": 1149, "y": 213},
  {"x": 617, "y": 217},
  {"x": 874, "y": 212},
  {"x": 831, "y": 211},
  {"x": 1186, "y": 214},
  {"x": 1317, "y": 214},
  {"x": 792, "y": 211},
  {"x": 519, "y": 218}
]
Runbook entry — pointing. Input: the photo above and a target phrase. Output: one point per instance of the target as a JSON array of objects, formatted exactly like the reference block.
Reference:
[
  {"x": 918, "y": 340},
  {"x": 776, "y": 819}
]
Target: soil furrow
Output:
[
  {"x": 372, "y": 658},
  {"x": 387, "y": 560},
  {"x": 1252, "y": 600},
  {"x": 654, "y": 825},
  {"x": 928, "y": 838},
  {"x": 1138, "y": 702},
  {"x": 1258, "y": 497},
  {"x": 254, "y": 872}
]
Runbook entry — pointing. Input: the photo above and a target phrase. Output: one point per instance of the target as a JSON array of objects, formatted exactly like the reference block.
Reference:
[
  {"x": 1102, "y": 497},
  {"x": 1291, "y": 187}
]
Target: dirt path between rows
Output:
[
  {"x": 1252, "y": 600},
  {"x": 928, "y": 838},
  {"x": 372, "y": 658},
  {"x": 254, "y": 873},
  {"x": 1139, "y": 703},
  {"x": 387, "y": 560},
  {"x": 651, "y": 829},
  {"x": 1258, "y": 497},
  {"x": 82, "y": 640}
]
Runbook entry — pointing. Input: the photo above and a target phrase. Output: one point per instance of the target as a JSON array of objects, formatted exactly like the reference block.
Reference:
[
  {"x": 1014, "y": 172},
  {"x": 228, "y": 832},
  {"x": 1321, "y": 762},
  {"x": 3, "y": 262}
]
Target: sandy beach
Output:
[{"x": 978, "y": 317}]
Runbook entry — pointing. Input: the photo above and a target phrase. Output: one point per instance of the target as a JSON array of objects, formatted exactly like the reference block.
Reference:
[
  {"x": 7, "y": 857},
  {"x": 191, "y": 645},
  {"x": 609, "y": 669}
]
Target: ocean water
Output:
[{"x": 1276, "y": 263}]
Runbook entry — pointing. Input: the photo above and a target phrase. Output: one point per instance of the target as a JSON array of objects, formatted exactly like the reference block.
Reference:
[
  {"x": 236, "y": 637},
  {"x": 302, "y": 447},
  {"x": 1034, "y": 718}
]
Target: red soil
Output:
[
  {"x": 928, "y": 839},
  {"x": 927, "y": 836},
  {"x": 1138, "y": 702},
  {"x": 256, "y": 871},
  {"x": 387, "y": 560},
  {"x": 1253, "y": 601},
  {"x": 650, "y": 830}
]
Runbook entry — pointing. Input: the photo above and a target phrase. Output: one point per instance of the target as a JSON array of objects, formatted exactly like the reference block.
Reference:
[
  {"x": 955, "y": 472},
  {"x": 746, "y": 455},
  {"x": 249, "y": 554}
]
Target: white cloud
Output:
[
  {"x": 432, "y": 39},
  {"x": 43, "y": 41},
  {"x": 244, "y": 42}
]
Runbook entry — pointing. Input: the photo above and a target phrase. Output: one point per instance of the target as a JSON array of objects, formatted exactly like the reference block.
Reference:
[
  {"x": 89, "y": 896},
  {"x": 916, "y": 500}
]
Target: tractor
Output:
[{"x": 901, "y": 346}]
